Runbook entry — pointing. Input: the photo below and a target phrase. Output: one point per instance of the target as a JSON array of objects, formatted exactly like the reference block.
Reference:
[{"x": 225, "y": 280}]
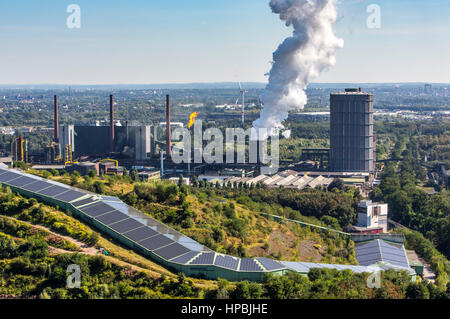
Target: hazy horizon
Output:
[{"x": 140, "y": 42}]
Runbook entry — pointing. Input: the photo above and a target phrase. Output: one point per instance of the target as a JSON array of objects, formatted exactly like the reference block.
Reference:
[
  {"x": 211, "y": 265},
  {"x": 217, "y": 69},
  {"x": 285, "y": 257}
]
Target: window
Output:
[{"x": 376, "y": 211}]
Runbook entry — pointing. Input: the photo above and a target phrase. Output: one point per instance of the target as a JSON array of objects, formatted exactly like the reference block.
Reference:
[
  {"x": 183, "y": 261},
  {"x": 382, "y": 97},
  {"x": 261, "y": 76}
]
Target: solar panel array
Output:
[
  {"x": 304, "y": 267},
  {"x": 156, "y": 242},
  {"x": 270, "y": 264},
  {"x": 394, "y": 254},
  {"x": 249, "y": 264},
  {"x": 83, "y": 202},
  {"x": 140, "y": 234},
  {"x": 183, "y": 259},
  {"x": 8, "y": 176},
  {"x": 227, "y": 262},
  {"x": 69, "y": 196},
  {"x": 172, "y": 245},
  {"x": 380, "y": 251},
  {"x": 171, "y": 251},
  {"x": 126, "y": 225},
  {"x": 368, "y": 253},
  {"x": 22, "y": 181},
  {"x": 204, "y": 259}
]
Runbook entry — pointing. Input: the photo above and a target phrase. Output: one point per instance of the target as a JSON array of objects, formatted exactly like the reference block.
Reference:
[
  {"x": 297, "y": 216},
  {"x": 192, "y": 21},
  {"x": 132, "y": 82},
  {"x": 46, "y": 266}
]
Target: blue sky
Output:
[{"x": 167, "y": 41}]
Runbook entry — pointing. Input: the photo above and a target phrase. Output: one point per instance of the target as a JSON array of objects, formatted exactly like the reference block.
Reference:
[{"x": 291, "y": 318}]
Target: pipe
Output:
[
  {"x": 111, "y": 122},
  {"x": 56, "y": 120},
  {"x": 168, "y": 137}
]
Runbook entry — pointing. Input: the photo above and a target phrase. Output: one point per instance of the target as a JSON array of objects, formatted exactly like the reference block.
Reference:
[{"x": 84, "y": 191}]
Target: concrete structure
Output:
[
  {"x": 351, "y": 132},
  {"x": 83, "y": 168},
  {"x": 146, "y": 176},
  {"x": 168, "y": 129},
  {"x": 372, "y": 217},
  {"x": 111, "y": 123},
  {"x": 67, "y": 137},
  {"x": 143, "y": 145},
  {"x": 136, "y": 142},
  {"x": 56, "y": 124}
]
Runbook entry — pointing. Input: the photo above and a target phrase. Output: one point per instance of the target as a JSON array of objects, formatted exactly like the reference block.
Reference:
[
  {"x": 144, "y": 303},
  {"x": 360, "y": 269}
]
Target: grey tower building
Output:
[{"x": 351, "y": 132}]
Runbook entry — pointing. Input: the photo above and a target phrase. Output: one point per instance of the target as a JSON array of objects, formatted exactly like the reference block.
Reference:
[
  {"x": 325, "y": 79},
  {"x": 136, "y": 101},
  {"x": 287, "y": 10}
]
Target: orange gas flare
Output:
[{"x": 192, "y": 119}]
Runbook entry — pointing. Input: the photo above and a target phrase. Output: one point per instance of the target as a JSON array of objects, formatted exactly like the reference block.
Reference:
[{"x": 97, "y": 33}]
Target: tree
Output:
[
  {"x": 337, "y": 183},
  {"x": 134, "y": 175},
  {"x": 99, "y": 187}
]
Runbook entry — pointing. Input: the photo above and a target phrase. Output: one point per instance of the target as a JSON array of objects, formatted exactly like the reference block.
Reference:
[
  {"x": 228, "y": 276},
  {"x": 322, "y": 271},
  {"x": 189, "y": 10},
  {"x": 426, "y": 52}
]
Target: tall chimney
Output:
[
  {"x": 168, "y": 137},
  {"x": 56, "y": 120},
  {"x": 111, "y": 122}
]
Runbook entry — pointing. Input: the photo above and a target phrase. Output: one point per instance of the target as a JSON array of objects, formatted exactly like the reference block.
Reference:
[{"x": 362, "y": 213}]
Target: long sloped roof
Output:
[{"x": 162, "y": 240}]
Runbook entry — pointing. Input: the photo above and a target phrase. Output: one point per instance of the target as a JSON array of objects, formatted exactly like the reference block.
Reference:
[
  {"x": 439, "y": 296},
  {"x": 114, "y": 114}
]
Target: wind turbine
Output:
[
  {"x": 243, "y": 102},
  {"x": 236, "y": 103}
]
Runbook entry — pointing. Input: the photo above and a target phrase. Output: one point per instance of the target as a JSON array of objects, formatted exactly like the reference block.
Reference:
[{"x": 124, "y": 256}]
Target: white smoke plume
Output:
[{"x": 299, "y": 59}]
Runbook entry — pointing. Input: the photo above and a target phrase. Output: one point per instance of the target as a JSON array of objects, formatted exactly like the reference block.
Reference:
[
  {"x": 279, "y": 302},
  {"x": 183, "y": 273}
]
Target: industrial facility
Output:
[
  {"x": 130, "y": 145},
  {"x": 351, "y": 132},
  {"x": 134, "y": 143}
]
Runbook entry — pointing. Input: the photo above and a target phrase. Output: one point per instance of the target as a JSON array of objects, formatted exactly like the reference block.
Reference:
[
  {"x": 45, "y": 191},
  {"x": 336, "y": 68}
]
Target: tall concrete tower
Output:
[{"x": 351, "y": 132}]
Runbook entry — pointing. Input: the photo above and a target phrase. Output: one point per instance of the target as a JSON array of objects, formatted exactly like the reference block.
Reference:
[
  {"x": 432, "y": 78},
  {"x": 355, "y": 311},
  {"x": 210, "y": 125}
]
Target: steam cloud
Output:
[{"x": 299, "y": 59}]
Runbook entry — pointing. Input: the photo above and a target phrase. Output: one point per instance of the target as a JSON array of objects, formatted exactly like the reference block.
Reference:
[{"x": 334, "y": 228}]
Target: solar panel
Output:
[
  {"x": 296, "y": 266},
  {"x": 21, "y": 181},
  {"x": 53, "y": 191},
  {"x": 2, "y": 171},
  {"x": 140, "y": 234},
  {"x": 112, "y": 217},
  {"x": 36, "y": 186},
  {"x": 394, "y": 250},
  {"x": 367, "y": 250},
  {"x": 249, "y": 264},
  {"x": 171, "y": 251},
  {"x": 97, "y": 209},
  {"x": 83, "y": 202},
  {"x": 156, "y": 242},
  {"x": 226, "y": 261},
  {"x": 270, "y": 264},
  {"x": 185, "y": 258},
  {"x": 204, "y": 259},
  {"x": 8, "y": 176},
  {"x": 69, "y": 196},
  {"x": 369, "y": 259},
  {"x": 396, "y": 260},
  {"x": 126, "y": 225}
]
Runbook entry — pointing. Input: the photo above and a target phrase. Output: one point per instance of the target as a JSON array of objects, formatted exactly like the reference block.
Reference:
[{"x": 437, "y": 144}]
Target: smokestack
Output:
[
  {"x": 111, "y": 122},
  {"x": 168, "y": 137},
  {"x": 56, "y": 120}
]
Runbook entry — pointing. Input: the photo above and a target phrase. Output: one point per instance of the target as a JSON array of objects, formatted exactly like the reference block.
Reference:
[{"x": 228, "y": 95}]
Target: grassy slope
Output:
[
  {"x": 264, "y": 237},
  {"x": 118, "y": 254}
]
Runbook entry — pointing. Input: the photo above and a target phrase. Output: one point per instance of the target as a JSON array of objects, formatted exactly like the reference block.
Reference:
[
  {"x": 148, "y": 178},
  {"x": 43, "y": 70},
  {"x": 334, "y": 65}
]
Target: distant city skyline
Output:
[{"x": 203, "y": 41}]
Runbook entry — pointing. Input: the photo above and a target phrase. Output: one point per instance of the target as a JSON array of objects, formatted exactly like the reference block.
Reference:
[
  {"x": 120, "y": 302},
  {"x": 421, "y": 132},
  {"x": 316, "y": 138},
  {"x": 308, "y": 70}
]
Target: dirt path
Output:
[
  {"x": 428, "y": 273},
  {"x": 83, "y": 248}
]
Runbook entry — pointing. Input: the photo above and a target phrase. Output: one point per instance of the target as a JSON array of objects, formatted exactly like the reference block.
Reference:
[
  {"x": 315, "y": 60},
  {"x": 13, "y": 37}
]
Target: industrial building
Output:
[
  {"x": 286, "y": 179},
  {"x": 372, "y": 218},
  {"x": 351, "y": 132},
  {"x": 163, "y": 244}
]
